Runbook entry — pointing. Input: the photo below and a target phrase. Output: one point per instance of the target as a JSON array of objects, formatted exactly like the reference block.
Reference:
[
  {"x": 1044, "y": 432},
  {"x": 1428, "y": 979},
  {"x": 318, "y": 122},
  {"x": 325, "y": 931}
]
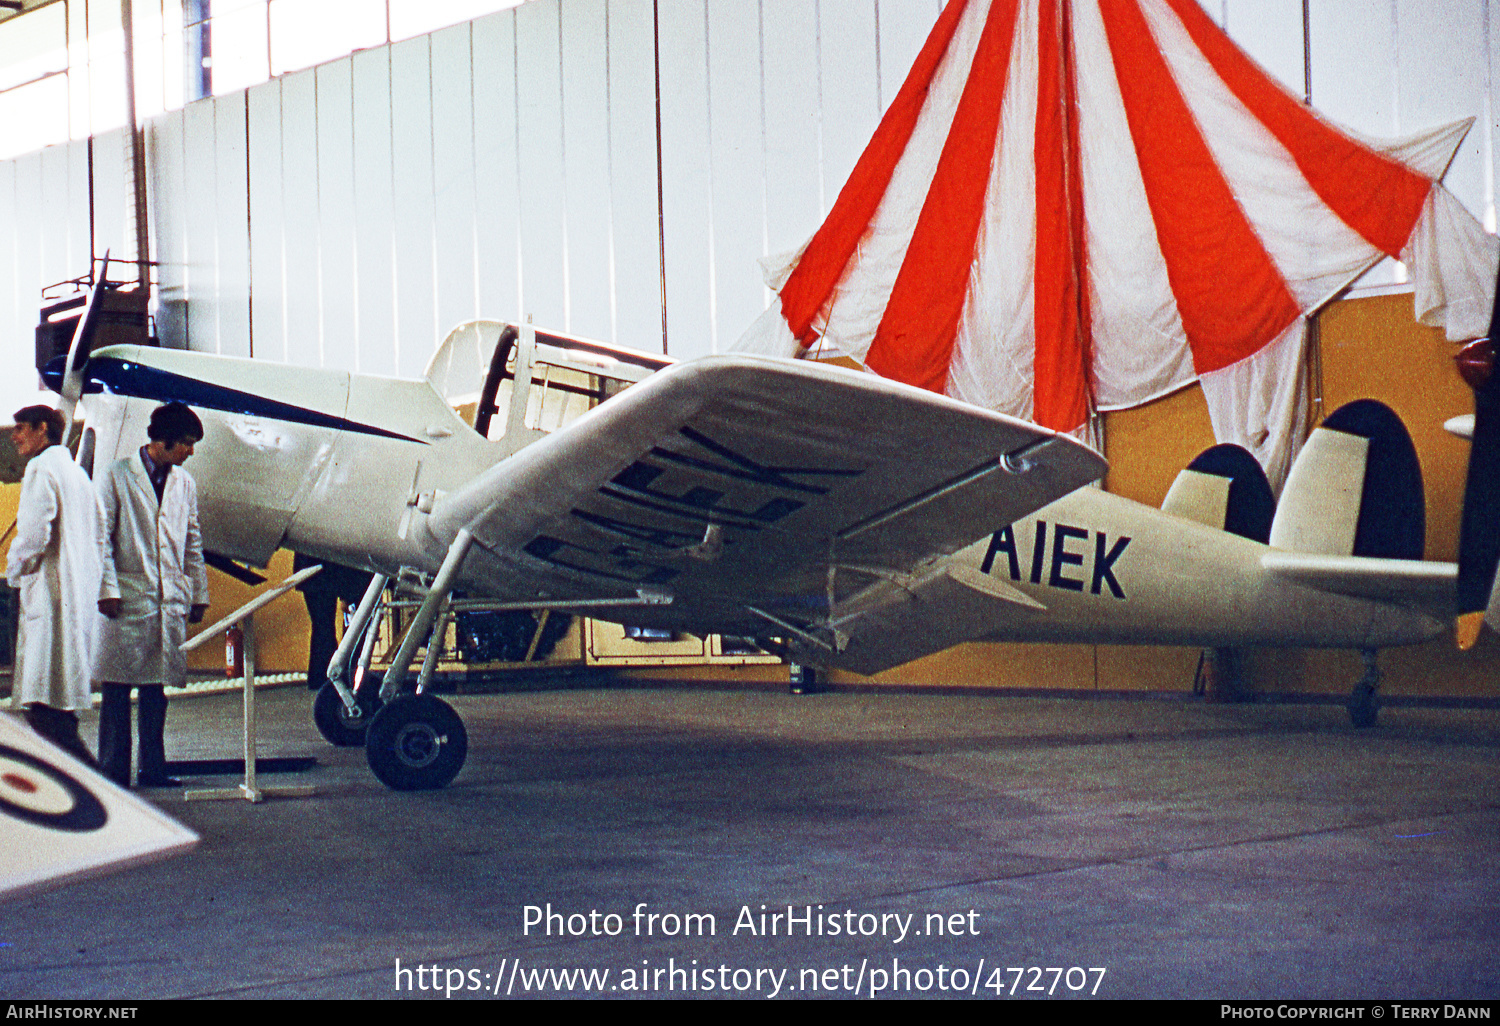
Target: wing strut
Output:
[
  {"x": 811, "y": 639},
  {"x": 1017, "y": 462}
]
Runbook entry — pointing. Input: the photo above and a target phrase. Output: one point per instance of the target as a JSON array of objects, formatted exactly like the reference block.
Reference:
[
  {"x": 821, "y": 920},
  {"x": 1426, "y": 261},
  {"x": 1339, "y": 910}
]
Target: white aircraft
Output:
[{"x": 865, "y": 522}]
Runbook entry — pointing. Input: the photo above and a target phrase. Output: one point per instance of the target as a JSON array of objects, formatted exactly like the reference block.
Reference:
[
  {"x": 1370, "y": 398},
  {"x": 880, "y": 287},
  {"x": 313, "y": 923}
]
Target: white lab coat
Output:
[
  {"x": 152, "y": 560},
  {"x": 55, "y": 562}
]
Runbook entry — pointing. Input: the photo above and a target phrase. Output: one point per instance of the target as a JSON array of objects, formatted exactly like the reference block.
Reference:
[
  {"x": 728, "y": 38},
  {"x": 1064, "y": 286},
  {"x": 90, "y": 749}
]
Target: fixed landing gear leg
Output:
[
  {"x": 417, "y": 742},
  {"x": 341, "y": 715},
  {"x": 802, "y": 679},
  {"x": 434, "y": 649},
  {"x": 338, "y": 666},
  {"x": 1362, "y": 707},
  {"x": 427, "y": 614}
]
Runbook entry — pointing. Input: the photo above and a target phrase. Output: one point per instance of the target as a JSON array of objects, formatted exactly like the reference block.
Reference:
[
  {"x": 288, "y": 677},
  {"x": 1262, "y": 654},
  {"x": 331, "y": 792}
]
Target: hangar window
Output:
[
  {"x": 33, "y": 80},
  {"x": 241, "y": 42},
  {"x": 62, "y": 62},
  {"x": 36, "y": 45},
  {"x": 308, "y": 32},
  {"x": 414, "y": 17},
  {"x": 27, "y": 111}
]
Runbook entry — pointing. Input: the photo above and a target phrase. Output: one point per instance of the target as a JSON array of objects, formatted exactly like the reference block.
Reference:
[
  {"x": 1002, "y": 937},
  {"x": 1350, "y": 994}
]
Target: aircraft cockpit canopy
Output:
[{"x": 476, "y": 368}]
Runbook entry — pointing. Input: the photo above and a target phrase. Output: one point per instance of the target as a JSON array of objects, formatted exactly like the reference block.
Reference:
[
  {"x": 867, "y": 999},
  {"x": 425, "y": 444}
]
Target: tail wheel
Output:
[
  {"x": 416, "y": 743},
  {"x": 1364, "y": 709},
  {"x": 334, "y": 722},
  {"x": 1363, "y": 714}
]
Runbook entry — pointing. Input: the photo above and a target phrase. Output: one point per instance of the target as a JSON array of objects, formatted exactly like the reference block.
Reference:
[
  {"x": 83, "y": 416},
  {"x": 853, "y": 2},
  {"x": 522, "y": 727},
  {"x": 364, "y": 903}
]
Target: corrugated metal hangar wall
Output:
[{"x": 586, "y": 161}]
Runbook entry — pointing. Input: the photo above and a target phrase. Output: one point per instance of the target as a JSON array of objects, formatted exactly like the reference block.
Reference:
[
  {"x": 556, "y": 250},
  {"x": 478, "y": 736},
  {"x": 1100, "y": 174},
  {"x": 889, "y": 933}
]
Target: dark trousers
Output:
[
  {"x": 114, "y": 732},
  {"x": 322, "y": 592},
  {"x": 323, "y": 611},
  {"x": 61, "y": 728}
]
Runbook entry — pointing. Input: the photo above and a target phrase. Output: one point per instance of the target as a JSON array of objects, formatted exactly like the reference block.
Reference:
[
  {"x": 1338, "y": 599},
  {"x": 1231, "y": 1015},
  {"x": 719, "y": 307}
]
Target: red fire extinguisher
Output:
[{"x": 234, "y": 652}]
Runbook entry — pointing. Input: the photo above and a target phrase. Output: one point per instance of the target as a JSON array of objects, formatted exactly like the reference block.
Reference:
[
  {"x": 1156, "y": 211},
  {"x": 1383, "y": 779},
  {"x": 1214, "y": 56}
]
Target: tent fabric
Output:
[{"x": 1083, "y": 205}]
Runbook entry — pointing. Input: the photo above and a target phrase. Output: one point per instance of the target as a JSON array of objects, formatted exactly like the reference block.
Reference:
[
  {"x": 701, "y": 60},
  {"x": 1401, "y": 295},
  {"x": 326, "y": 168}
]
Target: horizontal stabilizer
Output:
[{"x": 1429, "y": 585}]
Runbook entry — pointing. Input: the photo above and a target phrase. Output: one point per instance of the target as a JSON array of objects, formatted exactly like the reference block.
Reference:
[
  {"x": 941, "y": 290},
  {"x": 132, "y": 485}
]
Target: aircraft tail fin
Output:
[
  {"x": 1225, "y": 488},
  {"x": 1355, "y": 489}
]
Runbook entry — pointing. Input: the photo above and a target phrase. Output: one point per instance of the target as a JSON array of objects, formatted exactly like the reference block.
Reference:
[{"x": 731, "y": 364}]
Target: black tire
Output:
[
  {"x": 416, "y": 743},
  {"x": 333, "y": 719},
  {"x": 1363, "y": 711}
]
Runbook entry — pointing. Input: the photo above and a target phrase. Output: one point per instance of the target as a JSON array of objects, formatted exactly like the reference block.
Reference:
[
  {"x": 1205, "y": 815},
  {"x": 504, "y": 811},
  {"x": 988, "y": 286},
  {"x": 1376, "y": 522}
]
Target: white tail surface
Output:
[
  {"x": 1199, "y": 497},
  {"x": 1319, "y": 507}
]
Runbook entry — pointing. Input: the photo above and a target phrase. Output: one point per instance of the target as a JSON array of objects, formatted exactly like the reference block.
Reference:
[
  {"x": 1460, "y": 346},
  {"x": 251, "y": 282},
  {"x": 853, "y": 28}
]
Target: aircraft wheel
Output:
[
  {"x": 1362, "y": 708},
  {"x": 1363, "y": 711},
  {"x": 416, "y": 743},
  {"x": 334, "y": 722}
]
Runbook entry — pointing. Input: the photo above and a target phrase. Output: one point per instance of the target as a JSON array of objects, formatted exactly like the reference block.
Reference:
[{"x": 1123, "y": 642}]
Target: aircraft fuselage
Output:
[
  {"x": 1111, "y": 570},
  {"x": 347, "y": 467}
]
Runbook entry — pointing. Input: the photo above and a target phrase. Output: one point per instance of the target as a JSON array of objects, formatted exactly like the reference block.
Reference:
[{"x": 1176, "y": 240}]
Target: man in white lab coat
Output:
[
  {"x": 54, "y": 561},
  {"x": 153, "y": 584}
]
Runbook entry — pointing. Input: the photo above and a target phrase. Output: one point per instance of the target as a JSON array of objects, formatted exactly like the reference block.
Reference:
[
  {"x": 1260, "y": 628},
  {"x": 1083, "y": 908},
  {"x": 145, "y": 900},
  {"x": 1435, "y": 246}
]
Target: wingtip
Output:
[{"x": 1466, "y": 629}]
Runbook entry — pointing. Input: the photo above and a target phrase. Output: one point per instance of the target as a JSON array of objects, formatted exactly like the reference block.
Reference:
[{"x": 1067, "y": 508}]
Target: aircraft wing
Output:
[
  {"x": 61, "y": 821},
  {"x": 735, "y": 481},
  {"x": 1428, "y": 585}
]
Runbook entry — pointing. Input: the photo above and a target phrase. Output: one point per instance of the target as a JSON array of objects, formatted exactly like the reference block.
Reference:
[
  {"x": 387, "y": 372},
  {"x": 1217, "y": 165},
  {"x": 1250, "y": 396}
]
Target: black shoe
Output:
[{"x": 161, "y": 781}]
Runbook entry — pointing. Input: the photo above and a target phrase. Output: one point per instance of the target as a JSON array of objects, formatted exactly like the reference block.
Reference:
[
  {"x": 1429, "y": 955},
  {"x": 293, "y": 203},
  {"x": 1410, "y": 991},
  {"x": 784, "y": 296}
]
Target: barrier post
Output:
[{"x": 245, "y": 617}]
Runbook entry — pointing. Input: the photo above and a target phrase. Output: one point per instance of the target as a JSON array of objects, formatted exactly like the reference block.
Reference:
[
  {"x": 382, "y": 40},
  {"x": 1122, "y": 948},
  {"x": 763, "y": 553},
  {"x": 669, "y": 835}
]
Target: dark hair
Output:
[
  {"x": 174, "y": 423},
  {"x": 32, "y": 416}
]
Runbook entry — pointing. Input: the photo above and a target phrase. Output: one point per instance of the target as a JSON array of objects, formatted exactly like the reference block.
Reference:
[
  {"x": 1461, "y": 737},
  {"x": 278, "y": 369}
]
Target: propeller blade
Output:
[
  {"x": 1479, "y": 530},
  {"x": 72, "y": 383}
]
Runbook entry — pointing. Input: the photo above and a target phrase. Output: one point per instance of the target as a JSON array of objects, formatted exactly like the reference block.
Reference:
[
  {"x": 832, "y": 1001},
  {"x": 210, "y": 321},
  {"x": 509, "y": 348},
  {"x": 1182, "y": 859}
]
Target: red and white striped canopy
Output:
[{"x": 1078, "y": 205}]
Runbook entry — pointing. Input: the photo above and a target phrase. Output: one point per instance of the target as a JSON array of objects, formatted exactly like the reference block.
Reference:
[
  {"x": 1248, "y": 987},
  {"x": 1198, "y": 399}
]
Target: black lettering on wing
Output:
[
  {"x": 744, "y": 468},
  {"x": 617, "y": 565}
]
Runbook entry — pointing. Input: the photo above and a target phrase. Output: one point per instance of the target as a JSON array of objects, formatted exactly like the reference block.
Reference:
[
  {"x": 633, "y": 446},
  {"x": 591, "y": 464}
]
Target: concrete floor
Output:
[{"x": 1189, "y": 850}]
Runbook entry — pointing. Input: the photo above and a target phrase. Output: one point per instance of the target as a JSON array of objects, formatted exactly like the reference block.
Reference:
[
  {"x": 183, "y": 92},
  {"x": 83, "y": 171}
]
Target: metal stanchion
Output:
[{"x": 245, "y": 617}]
